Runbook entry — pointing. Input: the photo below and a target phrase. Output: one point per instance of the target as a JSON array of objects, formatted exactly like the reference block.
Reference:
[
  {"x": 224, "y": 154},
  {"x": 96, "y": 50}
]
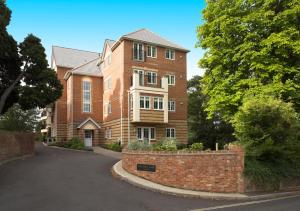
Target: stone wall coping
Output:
[{"x": 176, "y": 153}]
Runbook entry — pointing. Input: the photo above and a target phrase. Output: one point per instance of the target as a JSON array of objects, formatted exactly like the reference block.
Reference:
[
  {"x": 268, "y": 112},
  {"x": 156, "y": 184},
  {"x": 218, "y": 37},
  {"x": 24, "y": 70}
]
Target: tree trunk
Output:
[{"x": 7, "y": 92}]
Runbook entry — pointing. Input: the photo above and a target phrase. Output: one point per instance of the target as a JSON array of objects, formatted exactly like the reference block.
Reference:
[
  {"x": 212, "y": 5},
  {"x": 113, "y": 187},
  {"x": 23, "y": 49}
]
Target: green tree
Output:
[
  {"x": 251, "y": 46},
  {"x": 269, "y": 129},
  {"x": 25, "y": 63},
  {"x": 16, "y": 119},
  {"x": 202, "y": 129}
]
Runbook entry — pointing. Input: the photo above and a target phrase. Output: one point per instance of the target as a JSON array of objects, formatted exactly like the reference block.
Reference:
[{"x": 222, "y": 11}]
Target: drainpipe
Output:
[{"x": 128, "y": 117}]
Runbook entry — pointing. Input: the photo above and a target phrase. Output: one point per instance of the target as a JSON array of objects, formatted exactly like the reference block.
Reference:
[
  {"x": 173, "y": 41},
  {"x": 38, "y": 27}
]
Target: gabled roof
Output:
[
  {"x": 110, "y": 42},
  {"x": 91, "y": 68},
  {"x": 147, "y": 36},
  {"x": 88, "y": 120},
  {"x": 71, "y": 58}
]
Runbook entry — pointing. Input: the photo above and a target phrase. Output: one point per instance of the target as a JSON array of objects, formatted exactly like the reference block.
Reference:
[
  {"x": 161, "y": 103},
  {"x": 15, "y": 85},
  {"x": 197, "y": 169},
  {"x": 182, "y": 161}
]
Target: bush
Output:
[
  {"x": 138, "y": 145},
  {"x": 165, "y": 145},
  {"x": 269, "y": 130},
  {"x": 114, "y": 146},
  {"x": 196, "y": 147}
]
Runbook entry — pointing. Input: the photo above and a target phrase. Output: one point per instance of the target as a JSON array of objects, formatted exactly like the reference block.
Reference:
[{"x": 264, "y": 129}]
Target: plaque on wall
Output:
[{"x": 146, "y": 167}]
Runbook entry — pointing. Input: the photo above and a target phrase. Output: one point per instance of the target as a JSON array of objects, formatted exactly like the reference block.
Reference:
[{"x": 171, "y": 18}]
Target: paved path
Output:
[{"x": 64, "y": 180}]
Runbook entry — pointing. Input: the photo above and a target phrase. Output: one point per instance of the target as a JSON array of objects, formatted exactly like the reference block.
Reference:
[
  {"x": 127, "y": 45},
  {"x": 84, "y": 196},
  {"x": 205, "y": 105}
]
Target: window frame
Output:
[
  {"x": 153, "y": 75},
  {"x": 169, "y": 79},
  {"x": 170, "y": 132},
  {"x": 151, "y": 47},
  {"x": 84, "y": 101},
  {"x": 168, "y": 54},
  {"x": 142, "y": 132},
  {"x": 138, "y": 51},
  {"x": 108, "y": 133},
  {"x": 160, "y": 101},
  {"x": 144, "y": 102},
  {"x": 169, "y": 103}
]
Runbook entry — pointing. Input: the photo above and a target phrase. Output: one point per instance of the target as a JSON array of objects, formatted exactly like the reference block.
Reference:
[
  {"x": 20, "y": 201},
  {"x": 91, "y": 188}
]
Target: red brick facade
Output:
[
  {"x": 67, "y": 113},
  {"x": 216, "y": 171},
  {"x": 13, "y": 145}
]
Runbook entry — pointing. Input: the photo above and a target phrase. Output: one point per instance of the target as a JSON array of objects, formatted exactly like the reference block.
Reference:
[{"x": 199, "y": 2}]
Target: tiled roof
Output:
[
  {"x": 147, "y": 36},
  {"x": 68, "y": 57},
  {"x": 90, "y": 68}
]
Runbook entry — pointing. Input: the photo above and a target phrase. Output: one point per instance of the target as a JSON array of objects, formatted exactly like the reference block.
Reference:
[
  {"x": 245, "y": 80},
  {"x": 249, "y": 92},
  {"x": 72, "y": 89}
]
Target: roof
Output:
[
  {"x": 71, "y": 58},
  {"x": 90, "y": 68},
  {"x": 147, "y": 36},
  {"x": 110, "y": 42},
  {"x": 88, "y": 120}
]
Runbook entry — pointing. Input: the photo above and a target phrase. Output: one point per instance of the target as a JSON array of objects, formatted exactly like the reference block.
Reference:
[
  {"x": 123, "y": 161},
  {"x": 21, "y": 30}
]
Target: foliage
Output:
[
  {"x": 16, "y": 119},
  {"x": 167, "y": 144},
  {"x": 114, "y": 146},
  {"x": 24, "y": 63},
  {"x": 196, "y": 147},
  {"x": 75, "y": 143},
  {"x": 269, "y": 129},
  {"x": 211, "y": 130},
  {"x": 138, "y": 145},
  {"x": 251, "y": 46}
]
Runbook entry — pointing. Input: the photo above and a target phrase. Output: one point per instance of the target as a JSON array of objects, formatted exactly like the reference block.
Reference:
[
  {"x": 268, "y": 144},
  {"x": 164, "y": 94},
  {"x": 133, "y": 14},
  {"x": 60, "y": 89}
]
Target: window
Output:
[
  {"x": 144, "y": 102},
  {"x": 171, "y": 105},
  {"x": 131, "y": 102},
  {"x": 109, "y": 108},
  {"x": 141, "y": 77},
  {"x": 108, "y": 133},
  {"x": 107, "y": 84},
  {"x": 86, "y": 89},
  {"x": 151, "y": 51},
  {"x": 138, "y": 51},
  {"x": 170, "y": 133},
  {"x": 170, "y": 54},
  {"x": 151, "y": 77},
  {"x": 145, "y": 133},
  {"x": 158, "y": 103},
  {"x": 171, "y": 79}
]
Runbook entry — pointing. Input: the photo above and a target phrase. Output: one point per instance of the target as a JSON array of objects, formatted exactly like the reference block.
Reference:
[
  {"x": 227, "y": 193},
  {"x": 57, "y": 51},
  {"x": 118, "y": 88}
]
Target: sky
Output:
[{"x": 85, "y": 24}]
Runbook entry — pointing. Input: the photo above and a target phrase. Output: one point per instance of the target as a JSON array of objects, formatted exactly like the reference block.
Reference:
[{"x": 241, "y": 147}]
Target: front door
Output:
[{"x": 88, "y": 138}]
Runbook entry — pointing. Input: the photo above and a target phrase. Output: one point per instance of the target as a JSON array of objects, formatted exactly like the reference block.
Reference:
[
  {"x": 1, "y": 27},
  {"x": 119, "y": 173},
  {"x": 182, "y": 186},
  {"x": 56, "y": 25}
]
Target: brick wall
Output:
[
  {"x": 13, "y": 145},
  {"x": 220, "y": 171}
]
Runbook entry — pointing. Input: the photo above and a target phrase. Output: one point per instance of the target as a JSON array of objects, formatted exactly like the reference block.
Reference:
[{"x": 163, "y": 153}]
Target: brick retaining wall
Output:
[
  {"x": 14, "y": 144},
  {"x": 220, "y": 171}
]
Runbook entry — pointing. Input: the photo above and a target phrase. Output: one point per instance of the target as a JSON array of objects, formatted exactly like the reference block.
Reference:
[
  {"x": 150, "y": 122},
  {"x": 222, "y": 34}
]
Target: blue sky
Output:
[{"x": 85, "y": 24}]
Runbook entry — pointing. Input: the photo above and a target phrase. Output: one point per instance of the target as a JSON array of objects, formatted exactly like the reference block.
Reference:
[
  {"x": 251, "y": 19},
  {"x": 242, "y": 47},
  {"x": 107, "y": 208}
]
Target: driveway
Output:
[{"x": 58, "y": 179}]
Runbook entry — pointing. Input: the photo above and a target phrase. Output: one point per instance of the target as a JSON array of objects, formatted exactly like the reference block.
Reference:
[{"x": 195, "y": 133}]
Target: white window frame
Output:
[
  {"x": 160, "y": 103},
  {"x": 153, "y": 51},
  {"x": 170, "y": 79},
  {"x": 170, "y": 132},
  {"x": 84, "y": 101},
  {"x": 150, "y": 130},
  {"x": 170, "y": 54},
  {"x": 144, "y": 102},
  {"x": 108, "y": 133},
  {"x": 170, "y": 106},
  {"x": 153, "y": 77},
  {"x": 109, "y": 107},
  {"x": 139, "y": 45}
]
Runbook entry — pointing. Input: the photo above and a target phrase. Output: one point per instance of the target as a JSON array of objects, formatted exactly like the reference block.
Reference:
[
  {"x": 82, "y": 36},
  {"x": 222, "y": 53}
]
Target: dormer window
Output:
[
  {"x": 151, "y": 51},
  {"x": 138, "y": 51},
  {"x": 170, "y": 54}
]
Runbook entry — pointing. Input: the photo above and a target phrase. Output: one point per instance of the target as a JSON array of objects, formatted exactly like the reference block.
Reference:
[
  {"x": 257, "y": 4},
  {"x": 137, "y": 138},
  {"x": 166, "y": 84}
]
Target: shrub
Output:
[
  {"x": 196, "y": 147},
  {"x": 165, "y": 145},
  {"x": 269, "y": 130},
  {"x": 114, "y": 146},
  {"x": 75, "y": 143},
  {"x": 138, "y": 145}
]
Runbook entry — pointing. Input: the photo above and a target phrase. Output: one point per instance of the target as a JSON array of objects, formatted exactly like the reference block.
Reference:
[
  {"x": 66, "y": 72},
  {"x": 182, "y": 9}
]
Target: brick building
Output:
[{"x": 136, "y": 89}]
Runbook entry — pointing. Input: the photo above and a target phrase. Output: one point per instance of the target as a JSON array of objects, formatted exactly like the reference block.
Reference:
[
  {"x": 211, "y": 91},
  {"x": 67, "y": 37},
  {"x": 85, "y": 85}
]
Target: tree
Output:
[
  {"x": 24, "y": 63},
  {"x": 202, "y": 129},
  {"x": 16, "y": 119},
  {"x": 251, "y": 46},
  {"x": 269, "y": 129}
]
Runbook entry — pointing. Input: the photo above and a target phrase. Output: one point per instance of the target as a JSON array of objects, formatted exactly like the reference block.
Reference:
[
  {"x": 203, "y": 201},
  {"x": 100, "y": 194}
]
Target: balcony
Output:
[{"x": 142, "y": 87}]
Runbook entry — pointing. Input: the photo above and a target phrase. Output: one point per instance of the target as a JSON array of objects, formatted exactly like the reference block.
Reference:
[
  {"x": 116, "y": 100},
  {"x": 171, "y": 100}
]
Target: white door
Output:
[{"x": 88, "y": 138}]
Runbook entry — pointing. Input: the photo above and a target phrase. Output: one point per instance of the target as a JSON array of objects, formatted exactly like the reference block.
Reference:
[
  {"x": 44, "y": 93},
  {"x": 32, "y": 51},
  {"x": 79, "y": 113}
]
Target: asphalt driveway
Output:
[{"x": 57, "y": 180}]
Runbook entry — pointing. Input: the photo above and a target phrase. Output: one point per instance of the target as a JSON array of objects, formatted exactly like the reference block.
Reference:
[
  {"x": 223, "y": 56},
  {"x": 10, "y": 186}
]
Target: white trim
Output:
[
  {"x": 171, "y": 128},
  {"x": 88, "y": 119},
  {"x": 144, "y": 104},
  {"x": 172, "y": 101},
  {"x": 159, "y": 100},
  {"x": 142, "y": 133},
  {"x": 138, "y": 49},
  {"x": 169, "y": 79},
  {"x": 90, "y": 93},
  {"x": 170, "y": 55},
  {"x": 151, "y": 51},
  {"x": 151, "y": 75}
]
